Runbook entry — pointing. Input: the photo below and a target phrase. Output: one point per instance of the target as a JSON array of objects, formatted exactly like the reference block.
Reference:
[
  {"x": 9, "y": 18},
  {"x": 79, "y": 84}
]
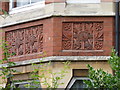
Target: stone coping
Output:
[
  {"x": 59, "y": 9},
  {"x": 61, "y": 58}
]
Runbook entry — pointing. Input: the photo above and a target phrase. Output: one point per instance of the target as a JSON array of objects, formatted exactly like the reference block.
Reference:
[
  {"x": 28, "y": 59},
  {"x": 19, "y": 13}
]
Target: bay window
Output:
[{"x": 23, "y": 5}]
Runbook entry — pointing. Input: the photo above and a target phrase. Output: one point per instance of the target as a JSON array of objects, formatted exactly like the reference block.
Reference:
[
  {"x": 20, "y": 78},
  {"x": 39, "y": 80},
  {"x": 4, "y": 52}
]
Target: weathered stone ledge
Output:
[
  {"x": 61, "y": 58},
  {"x": 59, "y": 9}
]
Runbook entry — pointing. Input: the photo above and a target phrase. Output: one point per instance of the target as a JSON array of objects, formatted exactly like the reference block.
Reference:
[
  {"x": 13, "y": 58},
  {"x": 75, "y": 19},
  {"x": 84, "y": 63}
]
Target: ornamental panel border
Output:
[
  {"x": 84, "y": 36},
  {"x": 26, "y": 40}
]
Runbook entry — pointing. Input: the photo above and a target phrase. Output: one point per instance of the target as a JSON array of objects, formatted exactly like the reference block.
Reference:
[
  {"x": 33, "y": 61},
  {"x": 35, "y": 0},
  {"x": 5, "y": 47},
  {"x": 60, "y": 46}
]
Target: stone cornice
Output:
[
  {"x": 59, "y": 9},
  {"x": 61, "y": 58}
]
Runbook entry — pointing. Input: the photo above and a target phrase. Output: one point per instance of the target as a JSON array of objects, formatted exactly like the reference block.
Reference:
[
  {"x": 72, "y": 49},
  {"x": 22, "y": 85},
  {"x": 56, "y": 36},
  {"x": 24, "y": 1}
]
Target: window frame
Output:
[
  {"x": 23, "y": 8},
  {"x": 24, "y": 82},
  {"x": 73, "y": 79}
]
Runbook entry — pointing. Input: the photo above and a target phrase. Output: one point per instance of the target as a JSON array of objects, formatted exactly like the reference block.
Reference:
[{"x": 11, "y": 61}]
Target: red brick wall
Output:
[
  {"x": 108, "y": 27},
  {"x": 4, "y": 6},
  {"x": 47, "y": 32},
  {"x": 53, "y": 36}
]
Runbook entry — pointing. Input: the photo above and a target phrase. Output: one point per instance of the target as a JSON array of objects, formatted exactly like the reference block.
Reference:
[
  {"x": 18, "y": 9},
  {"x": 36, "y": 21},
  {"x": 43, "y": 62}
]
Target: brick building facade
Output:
[{"x": 81, "y": 31}]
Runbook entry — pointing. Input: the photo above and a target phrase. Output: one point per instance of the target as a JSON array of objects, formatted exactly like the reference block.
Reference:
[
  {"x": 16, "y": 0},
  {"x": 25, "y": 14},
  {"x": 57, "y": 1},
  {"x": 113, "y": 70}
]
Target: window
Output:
[
  {"x": 25, "y": 81},
  {"x": 77, "y": 83},
  {"x": 27, "y": 84},
  {"x": 83, "y": 1},
  {"x": 23, "y": 5}
]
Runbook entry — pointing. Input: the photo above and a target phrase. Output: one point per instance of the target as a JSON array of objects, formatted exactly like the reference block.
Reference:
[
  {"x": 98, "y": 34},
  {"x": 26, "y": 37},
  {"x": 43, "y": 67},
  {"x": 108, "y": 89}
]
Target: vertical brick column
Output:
[
  {"x": 4, "y": 6},
  {"x": 2, "y": 35},
  {"x": 54, "y": 1},
  {"x": 0, "y": 7}
]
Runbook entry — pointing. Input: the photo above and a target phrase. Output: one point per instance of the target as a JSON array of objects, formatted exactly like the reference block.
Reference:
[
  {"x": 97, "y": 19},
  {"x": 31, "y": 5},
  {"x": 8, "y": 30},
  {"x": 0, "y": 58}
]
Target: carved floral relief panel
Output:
[
  {"x": 82, "y": 36},
  {"x": 25, "y": 41}
]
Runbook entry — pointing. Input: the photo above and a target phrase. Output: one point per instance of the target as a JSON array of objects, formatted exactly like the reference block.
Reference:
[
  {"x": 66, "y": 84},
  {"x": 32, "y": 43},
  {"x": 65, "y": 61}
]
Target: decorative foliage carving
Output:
[
  {"x": 83, "y": 36},
  {"x": 25, "y": 41}
]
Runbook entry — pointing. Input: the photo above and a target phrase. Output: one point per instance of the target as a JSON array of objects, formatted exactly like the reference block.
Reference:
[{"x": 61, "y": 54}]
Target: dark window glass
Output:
[
  {"x": 26, "y": 2},
  {"x": 78, "y": 84},
  {"x": 30, "y": 84}
]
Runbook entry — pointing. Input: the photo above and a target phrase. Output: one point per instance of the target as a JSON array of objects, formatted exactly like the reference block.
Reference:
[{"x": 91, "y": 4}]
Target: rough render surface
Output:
[{"x": 73, "y": 65}]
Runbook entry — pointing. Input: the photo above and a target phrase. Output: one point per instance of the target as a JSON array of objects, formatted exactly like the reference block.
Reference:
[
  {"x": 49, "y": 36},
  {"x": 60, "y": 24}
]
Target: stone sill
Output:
[
  {"x": 82, "y": 50},
  {"x": 59, "y": 9},
  {"x": 61, "y": 58}
]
